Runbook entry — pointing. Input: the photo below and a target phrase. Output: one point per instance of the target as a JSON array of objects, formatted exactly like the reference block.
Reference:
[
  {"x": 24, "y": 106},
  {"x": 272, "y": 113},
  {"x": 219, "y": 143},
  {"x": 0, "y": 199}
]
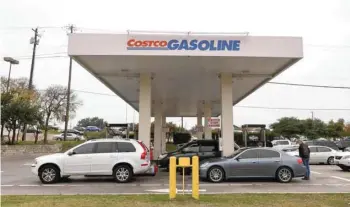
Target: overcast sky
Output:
[{"x": 324, "y": 26}]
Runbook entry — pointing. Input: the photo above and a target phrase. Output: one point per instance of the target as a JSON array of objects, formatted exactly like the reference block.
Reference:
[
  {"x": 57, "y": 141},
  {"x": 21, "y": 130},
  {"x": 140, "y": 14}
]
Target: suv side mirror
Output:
[{"x": 70, "y": 153}]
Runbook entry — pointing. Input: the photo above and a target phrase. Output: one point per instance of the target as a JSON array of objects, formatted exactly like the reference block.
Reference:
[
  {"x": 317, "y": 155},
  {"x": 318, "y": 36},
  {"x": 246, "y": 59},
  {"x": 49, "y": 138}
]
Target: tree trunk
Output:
[
  {"x": 19, "y": 129},
  {"x": 24, "y": 133},
  {"x": 46, "y": 129},
  {"x": 2, "y": 132},
  {"x": 14, "y": 133},
  {"x": 36, "y": 136}
]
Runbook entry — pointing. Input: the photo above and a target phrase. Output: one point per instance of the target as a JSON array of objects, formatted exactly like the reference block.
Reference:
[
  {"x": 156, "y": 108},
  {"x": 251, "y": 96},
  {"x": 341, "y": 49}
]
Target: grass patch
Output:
[
  {"x": 38, "y": 143},
  {"x": 237, "y": 200},
  {"x": 52, "y": 131}
]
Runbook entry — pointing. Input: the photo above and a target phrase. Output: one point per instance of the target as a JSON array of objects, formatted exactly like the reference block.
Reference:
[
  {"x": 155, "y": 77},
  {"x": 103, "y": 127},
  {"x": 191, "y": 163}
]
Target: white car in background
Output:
[
  {"x": 319, "y": 154},
  {"x": 281, "y": 144},
  {"x": 70, "y": 137},
  {"x": 343, "y": 161}
]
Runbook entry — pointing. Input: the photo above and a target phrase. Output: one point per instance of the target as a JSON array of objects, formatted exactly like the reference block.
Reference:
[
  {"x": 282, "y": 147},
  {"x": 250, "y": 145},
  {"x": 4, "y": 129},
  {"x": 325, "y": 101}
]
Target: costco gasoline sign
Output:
[{"x": 175, "y": 44}]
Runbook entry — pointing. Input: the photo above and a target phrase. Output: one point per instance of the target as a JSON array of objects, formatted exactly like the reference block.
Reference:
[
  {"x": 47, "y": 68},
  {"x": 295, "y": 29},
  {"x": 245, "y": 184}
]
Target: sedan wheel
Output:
[
  {"x": 122, "y": 174},
  {"x": 284, "y": 175},
  {"x": 331, "y": 161},
  {"x": 49, "y": 174},
  {"x": 216, "y": 174}
]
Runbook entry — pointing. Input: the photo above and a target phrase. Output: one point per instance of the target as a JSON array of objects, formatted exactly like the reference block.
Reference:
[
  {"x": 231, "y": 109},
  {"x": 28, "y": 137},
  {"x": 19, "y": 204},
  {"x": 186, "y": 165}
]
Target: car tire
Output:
[
  {"x": 216, "y": 174},
  {"x": 122, "y": 174},
  {"x": 49, "y": 174},
  {"x": 59, "y": 139},
  {"x": 284, "y": 175},
  {"x": 330, "y": 161},
  {"x": 76, "y": 139}
]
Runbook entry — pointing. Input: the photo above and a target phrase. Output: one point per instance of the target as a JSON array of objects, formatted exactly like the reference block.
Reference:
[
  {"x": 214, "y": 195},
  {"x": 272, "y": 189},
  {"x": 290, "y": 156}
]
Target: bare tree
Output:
[{"x": 53, "y": 103}]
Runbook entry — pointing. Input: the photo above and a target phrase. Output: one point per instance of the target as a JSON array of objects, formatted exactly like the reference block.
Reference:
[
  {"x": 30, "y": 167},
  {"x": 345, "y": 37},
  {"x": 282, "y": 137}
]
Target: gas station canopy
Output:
[{"x": 184, "y": 68}]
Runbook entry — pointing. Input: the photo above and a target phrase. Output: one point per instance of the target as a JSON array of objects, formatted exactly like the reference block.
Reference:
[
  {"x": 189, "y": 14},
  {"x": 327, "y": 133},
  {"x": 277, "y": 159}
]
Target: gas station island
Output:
[{"x": 184, "y": 74}]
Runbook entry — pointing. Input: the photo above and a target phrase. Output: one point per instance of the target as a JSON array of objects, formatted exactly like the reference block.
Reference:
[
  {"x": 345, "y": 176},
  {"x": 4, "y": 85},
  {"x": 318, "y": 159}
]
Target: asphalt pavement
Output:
[{"x": 16, "y": 178}]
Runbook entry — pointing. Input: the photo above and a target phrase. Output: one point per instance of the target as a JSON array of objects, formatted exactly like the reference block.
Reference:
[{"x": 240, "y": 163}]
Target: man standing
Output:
[{"x": 304, "y": 153}]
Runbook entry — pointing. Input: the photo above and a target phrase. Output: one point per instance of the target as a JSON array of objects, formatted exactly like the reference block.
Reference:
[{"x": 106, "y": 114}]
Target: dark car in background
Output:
[
  {"x": 92, "y": 129},
  {"x": 343, "y": 144},
  {"x": 204, "y": 149}
]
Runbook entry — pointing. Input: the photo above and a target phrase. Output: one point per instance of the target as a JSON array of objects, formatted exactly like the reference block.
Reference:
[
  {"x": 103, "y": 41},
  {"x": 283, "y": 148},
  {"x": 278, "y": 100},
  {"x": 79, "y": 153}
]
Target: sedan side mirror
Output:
[{"x": 238, "y": 158}]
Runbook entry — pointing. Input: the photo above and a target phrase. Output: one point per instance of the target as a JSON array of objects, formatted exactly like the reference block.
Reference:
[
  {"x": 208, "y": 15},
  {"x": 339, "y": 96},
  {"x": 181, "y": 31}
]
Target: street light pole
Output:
[
  {"x": 12, "y": 62},
  {"x": 312, "y": 123},
  {"x": 8, "y": 78}
]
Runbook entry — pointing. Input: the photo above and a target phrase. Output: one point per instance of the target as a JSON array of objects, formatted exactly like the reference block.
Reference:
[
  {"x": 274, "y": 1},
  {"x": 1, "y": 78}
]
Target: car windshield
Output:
[{"x": 236, "y": 152}]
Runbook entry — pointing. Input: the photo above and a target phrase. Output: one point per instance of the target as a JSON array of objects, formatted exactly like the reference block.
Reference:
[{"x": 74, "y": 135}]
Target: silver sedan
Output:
[{"x": 253, "y": 163}]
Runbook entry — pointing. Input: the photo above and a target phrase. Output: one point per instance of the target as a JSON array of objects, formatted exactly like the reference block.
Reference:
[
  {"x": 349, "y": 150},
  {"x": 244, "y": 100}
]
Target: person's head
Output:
[{"x": 299, "y": 141}]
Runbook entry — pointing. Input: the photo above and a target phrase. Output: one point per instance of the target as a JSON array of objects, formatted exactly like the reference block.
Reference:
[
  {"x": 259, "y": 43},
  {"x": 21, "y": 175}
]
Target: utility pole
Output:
[
  {"x": 71, "y": 30},
  {"x": 35, "y": 41}
]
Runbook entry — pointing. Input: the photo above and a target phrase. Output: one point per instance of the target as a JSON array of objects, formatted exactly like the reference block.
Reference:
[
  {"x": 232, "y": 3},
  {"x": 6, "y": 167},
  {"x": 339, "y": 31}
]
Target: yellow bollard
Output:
[
  {"x": 172, "y": 177},
  {"x": 184, "y": 162},
  {"x": 195, "y": 177}
]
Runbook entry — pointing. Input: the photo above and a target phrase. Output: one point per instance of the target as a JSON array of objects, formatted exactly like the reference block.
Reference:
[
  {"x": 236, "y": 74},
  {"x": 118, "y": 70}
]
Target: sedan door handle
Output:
[
  {"x": 277, "y": 161},
  {"x": 253, "y": 161}
]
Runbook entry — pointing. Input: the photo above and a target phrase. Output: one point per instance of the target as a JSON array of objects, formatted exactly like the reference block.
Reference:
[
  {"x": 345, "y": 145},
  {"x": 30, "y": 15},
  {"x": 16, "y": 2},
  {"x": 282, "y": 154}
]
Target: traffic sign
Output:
[{"x": 214, "y": 122}]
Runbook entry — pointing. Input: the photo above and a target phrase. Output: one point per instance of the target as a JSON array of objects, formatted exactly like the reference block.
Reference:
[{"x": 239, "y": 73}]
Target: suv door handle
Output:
[
  {"x": 277, "y": 161},
  {"x": 254, "y": 162}
]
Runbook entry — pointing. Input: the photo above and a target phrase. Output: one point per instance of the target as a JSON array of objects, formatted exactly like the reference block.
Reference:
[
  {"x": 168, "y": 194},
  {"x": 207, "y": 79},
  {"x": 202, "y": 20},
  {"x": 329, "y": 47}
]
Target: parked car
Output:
[
  {"x": 280, "y": 144},
  {"x": 327, "y": 143},
  {"x": 204, "y": 149},
  {"x": 343, "y": 162},
  {"x": 92, "y": 129},
  {"x": 253, "y": 163},
  {"x": 319, "y": 154},
  {"x": 74, "y": 131},
  {"x": 343, "y": 144},
  {"x": 121, "y": 158},
  {"x": 69, "y": 137}
]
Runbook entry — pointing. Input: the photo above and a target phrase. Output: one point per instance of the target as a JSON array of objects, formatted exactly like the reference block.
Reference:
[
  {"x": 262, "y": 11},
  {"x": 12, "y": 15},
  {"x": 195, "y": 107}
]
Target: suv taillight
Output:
[{"x": 144, "y": 153}]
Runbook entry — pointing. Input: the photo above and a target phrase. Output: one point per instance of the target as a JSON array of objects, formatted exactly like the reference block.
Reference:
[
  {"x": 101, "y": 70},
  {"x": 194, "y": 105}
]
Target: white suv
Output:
[{"x": 121, "y": 158}]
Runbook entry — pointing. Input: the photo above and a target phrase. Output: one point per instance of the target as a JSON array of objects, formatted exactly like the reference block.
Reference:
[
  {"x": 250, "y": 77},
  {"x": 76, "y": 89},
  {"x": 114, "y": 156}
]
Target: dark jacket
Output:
[{"x": 304, "y": 151}]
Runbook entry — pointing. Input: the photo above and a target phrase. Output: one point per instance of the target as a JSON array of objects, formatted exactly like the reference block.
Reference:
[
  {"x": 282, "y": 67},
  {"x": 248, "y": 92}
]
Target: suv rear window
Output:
[
  {"x": 126, "y": 147},
  {"x": 105, "y": 147}
]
